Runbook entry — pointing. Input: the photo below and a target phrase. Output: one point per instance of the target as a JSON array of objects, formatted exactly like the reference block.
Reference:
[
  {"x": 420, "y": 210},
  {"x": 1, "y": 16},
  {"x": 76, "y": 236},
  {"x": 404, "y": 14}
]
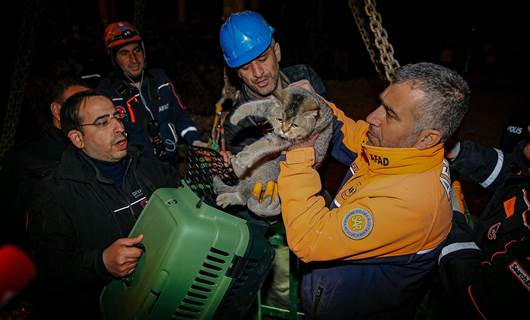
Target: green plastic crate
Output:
[{"x": 199, "y": 263}]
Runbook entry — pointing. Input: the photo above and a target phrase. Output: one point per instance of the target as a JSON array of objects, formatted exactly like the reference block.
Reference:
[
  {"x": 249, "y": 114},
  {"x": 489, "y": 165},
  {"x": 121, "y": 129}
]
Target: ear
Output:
[
  {"x": 428, "y": 138},
  {"x": 311, "y": 114},
  {"x": 77, "y": 139},
  {"x": 277, "y": 51},
  {"x": 55, "y": 109}
]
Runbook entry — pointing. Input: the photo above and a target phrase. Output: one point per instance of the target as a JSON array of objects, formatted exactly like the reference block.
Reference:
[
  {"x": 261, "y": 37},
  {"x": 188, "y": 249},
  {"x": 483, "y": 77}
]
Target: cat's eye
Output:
[
  {"x": 295, "y": 125},
  {"x": 279, "y": 120}
]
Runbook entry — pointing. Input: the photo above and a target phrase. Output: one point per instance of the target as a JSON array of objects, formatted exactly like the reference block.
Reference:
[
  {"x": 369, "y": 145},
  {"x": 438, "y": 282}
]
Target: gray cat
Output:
[{"x": 295, "y": 114}]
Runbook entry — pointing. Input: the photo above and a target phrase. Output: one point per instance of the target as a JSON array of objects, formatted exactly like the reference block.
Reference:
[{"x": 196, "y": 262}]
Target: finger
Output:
[
  {"x": 256, "y": 191},
  {"x": 132, "y": 253},
  {"x": 134, "y": 240},
  {"x": 269, "y": 190}
]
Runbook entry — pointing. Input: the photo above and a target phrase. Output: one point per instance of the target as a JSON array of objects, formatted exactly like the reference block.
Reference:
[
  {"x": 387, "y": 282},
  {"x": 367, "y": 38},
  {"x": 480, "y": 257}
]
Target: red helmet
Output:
[{"x": 120, "y": 33}]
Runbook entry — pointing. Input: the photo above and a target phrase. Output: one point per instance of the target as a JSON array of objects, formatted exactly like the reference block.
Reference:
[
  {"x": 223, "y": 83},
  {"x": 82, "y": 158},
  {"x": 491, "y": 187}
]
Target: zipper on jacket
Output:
[{"x": 318, "y": 295}]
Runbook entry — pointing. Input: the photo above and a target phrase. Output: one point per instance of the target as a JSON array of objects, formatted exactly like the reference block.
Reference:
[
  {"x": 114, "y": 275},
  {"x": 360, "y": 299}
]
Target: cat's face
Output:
[{"x": 295, "y": 117}]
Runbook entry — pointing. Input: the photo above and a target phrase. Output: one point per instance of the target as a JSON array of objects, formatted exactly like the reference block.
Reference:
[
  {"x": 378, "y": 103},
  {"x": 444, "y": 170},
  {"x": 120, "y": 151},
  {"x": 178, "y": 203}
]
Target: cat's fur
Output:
[{"x": 295, "y": 114}]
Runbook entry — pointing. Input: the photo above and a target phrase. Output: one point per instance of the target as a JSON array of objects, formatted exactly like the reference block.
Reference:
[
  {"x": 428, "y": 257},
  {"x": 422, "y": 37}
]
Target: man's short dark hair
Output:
[
  {"x": 446, "y": 98},
  {"x": 70, "y": 119},
  {"x": 63, "y": 83}
]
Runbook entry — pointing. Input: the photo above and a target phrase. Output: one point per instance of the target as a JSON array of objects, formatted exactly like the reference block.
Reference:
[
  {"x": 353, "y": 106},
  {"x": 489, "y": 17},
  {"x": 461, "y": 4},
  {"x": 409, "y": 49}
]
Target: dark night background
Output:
[{"x": 487, "y": 40}]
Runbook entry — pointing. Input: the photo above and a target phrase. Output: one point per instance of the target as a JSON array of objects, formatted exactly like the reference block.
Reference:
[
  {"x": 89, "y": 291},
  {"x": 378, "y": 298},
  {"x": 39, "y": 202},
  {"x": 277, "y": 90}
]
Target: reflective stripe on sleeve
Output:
[
  {"x": 457, "y": 246},
  {"x": 188, "y": 129},
  {"x": 500, "y": 159}
]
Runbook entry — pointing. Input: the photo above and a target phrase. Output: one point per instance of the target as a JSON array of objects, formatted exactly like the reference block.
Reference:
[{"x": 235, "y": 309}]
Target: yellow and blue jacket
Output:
[{"x": 379, "y": 240}]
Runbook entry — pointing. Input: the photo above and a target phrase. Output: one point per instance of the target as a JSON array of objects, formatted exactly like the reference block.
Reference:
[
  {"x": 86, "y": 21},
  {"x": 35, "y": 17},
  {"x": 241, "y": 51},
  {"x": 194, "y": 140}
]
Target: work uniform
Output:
[
  {"x": 154, "y": 113},
  {"x": 493, "y": 282},
  {"x": 371, "y": 252}
]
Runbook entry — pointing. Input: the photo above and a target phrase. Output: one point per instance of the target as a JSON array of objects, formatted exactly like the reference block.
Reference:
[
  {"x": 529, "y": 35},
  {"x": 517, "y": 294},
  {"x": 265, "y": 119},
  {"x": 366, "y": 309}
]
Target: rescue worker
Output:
[
  {"x": 486, "y": 269},
  {"x": 155, "y": 115},
  {"x": 250, "y": 50},
  {"x": 370, "y": 253}
]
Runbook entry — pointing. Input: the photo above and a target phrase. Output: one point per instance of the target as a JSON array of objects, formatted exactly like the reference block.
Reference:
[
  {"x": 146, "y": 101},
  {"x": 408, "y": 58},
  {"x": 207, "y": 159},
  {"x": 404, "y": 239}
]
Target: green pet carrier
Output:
[{"x": 199, "y": 262}]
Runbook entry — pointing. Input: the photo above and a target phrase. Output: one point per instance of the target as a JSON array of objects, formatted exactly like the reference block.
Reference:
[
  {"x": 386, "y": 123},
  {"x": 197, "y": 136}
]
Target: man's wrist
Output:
[{"x": 299, "y": 155}]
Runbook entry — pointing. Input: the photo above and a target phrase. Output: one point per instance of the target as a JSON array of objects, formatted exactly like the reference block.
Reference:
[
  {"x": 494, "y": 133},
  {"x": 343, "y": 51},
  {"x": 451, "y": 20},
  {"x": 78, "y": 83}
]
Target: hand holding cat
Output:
[
  {"x": 265, "y": 195},
  {"x": 265, "y": 203},
  {"x": 308, "y": 142}
]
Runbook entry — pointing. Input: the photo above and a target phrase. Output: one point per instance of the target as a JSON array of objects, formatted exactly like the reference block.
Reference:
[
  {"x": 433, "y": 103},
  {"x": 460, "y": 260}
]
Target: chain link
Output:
[
  {"x": 381, "y": 40},
  {"x": 21, "y": 72},
  {"x": 361, "y": 23}
]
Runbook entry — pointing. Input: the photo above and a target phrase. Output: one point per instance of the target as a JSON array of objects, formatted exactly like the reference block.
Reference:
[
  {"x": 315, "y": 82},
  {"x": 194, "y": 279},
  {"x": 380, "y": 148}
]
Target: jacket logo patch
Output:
[
  {"x": 354, "y": 168},
  {"x": 357, "y": 224},
  {"x": 348, "y": 192},
  {"x": 379, "y": 160},
  {"x": 121, "y": 111},
  {"x": 163, "y": 107},
  {"x": 492, "y": 231},
  {"x": 520, "y": 274},
  {"x": 137, "y": 193}
]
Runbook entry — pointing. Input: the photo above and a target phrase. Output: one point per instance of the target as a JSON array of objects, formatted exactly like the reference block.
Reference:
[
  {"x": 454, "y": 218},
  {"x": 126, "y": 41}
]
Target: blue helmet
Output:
[{"x": 244, "y": 36}]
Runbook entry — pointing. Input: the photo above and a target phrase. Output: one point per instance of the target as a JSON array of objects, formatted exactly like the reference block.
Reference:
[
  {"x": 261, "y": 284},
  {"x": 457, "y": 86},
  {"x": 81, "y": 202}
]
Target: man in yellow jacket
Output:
[{"x": 370, "y": 253}]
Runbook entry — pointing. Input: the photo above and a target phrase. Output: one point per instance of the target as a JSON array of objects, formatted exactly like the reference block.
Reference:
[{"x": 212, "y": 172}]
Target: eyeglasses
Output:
[{"x": 104, "y": 120}]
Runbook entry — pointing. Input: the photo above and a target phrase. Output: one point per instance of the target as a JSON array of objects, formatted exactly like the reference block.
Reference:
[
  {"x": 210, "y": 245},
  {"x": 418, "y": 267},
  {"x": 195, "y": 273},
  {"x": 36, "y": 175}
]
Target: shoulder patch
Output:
[{"x": 357, "y": 224}]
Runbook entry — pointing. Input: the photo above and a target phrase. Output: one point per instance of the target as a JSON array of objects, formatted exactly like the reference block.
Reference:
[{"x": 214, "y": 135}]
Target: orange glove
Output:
[
  {"x": 265, "y": 203},
  {"x": 269, "y": 194}
]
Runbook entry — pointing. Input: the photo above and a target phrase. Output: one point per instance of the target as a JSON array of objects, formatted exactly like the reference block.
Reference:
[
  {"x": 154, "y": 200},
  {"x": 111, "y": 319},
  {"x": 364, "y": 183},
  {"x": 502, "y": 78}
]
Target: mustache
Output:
[{"x": 119, "y": 138}]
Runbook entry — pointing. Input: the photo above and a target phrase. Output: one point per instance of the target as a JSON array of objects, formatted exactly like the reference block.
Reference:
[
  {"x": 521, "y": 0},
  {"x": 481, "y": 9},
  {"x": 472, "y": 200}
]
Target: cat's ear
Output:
[{"x": 311, "y": 114}]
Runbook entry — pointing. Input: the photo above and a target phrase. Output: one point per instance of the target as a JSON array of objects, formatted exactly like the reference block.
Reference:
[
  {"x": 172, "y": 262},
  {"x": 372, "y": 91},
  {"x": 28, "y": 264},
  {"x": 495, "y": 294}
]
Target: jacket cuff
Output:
[
  {"x": 301, "y": 155},
  {"x": 460, "y": 247},
  {"x": 100, "y": 267},
  {"x": 192, "y": 136}
]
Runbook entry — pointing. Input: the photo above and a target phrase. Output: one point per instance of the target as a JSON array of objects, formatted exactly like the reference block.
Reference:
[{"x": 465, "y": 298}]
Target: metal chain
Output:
[
  {"x": 21, "y": 72},
  {"x": 360, "y": 22},
  {"x": 381, "y": 40}
]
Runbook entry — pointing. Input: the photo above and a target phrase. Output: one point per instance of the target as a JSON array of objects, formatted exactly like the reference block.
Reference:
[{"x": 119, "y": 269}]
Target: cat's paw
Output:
[
  {"x": 222, "y": 200},
  {"x": 227, "y": 199}
]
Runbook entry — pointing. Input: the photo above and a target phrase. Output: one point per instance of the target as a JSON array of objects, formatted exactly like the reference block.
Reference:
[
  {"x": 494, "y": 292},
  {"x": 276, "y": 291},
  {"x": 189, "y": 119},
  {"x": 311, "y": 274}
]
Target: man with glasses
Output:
[{"x": 80, "y": 223}]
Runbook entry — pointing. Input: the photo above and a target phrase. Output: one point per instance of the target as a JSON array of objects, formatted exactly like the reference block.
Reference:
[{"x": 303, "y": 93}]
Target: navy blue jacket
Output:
[{"x": 158, "y": 100}]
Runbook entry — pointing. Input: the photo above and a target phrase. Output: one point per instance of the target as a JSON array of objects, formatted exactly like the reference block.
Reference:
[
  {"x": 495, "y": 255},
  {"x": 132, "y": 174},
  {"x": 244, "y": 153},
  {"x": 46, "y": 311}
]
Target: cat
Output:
[{"x": 295, "y": 115}]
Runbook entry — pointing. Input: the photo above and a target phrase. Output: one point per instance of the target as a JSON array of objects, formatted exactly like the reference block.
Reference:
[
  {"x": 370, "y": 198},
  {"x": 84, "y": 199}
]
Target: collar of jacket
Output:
[
  {"x": 77, "y": 166},
  {"x": 402, "y": 160}
]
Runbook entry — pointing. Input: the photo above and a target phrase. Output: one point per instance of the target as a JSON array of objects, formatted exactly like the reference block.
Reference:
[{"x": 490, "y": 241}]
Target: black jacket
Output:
[
  {"x": 251, "y": 129},
  {"x": 78, "y": 214},
  {"x": 495, "y": 281},
  {"x": 22, "y": 168}
]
